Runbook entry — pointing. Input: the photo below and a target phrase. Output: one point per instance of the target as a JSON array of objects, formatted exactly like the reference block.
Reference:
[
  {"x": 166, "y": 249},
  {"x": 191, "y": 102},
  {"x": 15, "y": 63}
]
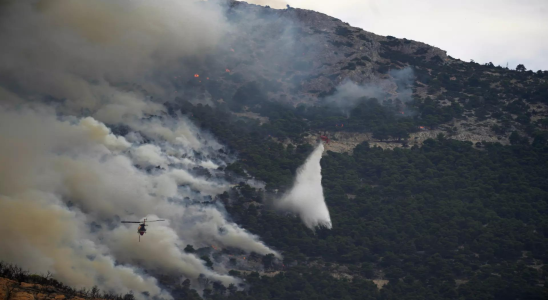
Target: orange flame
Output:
[
  {"x": 421, "y": 127},
  {"x": 227, "y": 70},
  {"x": 402, "y": 112},
  {"x": 196, "y": 75},
  {"x": 207, "y": 78},
  {"x": 232, "y": 50}
]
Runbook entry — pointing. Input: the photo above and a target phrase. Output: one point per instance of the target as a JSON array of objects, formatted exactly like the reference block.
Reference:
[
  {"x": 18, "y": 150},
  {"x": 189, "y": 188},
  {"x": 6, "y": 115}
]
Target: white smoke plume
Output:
[
  {"x": 58, "y": 177},
  {"x": 171, "y": 260},
  {"x": 348, "y": 93},
  {"x": 306, "y": 197},
  {"x": 69, "y": 71},
  {"x": 149, "y": 155}
]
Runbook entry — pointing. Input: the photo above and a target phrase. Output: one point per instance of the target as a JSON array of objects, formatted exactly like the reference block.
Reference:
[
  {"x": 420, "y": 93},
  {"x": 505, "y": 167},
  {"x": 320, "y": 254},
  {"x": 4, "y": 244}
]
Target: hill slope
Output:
[
  {"x": 435, "y": 177},
  {"x": 296, "y": 56},
  {"x": 441, "y": 220}
]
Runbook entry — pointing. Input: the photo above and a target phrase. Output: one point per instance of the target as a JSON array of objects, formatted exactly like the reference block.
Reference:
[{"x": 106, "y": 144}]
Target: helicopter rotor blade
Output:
[
  {"x": 130, "y": 222},
  {"x": 155, "y": 221}
]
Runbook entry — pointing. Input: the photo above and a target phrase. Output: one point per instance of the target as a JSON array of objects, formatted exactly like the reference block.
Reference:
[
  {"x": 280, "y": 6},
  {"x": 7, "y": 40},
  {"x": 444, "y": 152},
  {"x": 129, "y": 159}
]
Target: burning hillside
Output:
[
  {"x": 116, "y": 110},
  {"x": 84, "y": 144},
  {"x": 297, "y": 55}
]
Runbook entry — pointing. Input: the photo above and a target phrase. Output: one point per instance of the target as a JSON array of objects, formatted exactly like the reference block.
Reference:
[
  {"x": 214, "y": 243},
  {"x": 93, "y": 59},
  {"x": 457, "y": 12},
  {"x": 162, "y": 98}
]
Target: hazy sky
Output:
[{"x": 500, "y": 31}]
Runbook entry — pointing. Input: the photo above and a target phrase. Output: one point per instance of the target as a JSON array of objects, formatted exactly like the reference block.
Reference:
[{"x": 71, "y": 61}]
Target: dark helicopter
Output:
[{"x": 142, "y": 230}]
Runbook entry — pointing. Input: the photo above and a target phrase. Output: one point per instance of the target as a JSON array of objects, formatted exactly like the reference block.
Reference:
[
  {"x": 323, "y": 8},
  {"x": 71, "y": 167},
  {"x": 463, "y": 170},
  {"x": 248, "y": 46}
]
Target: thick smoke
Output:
[
  {"x": 70, "y": 70},
  {"x": 61, "y": 176},
  {"x": 42, "y": 234},
  {"x": 400, "y": 86},
  {"x": 306, "y": 197},
  {"x": 78, "y": 50}
]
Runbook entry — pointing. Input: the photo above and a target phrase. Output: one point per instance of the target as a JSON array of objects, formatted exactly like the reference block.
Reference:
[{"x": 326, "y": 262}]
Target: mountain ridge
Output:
[{"x": 311, "y": 56}]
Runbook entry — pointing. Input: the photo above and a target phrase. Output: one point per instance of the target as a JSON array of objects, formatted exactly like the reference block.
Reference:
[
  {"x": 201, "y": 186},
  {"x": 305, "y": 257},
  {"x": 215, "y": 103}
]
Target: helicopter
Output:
[{"x": 142, "y": 224}]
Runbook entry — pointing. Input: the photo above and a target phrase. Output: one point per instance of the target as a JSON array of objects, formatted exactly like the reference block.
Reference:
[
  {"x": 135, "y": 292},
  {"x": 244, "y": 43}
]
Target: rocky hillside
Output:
[
  {"x": 302, "y": 57},
  {"x": 299, "y": 56},
  {"x": 18, "y": 284},
  {"x": 13, "y": 290}
]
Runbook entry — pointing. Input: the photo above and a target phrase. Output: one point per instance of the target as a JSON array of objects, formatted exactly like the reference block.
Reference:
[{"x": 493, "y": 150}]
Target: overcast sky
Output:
[{"x": 500, "y": 31}]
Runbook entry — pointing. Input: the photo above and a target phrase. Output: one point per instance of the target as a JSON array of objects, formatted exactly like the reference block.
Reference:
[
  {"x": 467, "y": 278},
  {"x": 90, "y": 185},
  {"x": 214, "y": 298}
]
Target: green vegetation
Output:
[
  {"x": 448, "y": 220},
  {"x": 483, "y": 91},
  {"x": 267, "y": 159},
  {"x": 424, "y": 218},
  {"x": 258, "y": 153}
]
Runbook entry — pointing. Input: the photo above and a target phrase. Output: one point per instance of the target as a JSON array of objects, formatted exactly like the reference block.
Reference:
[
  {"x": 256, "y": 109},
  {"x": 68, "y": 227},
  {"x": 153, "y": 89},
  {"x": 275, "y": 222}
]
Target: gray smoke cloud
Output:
[
  {"x": 306, "y": 196},
  {"x": 399, "y": 86},
  {"x": 70, "y": 69},
  {"x": 85, "y": 51},
  {"x": 61, "y": 175}
]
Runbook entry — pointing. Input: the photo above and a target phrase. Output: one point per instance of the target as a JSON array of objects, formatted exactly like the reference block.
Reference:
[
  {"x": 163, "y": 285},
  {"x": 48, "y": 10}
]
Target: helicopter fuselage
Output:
[{"x": 141, "y": 229}]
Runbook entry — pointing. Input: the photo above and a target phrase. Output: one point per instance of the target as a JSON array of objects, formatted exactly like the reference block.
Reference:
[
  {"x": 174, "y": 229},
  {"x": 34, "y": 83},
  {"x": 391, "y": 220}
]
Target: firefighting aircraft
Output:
[
  {"x": 324, "y": 137},
  {"x": 142, "y": 230}
]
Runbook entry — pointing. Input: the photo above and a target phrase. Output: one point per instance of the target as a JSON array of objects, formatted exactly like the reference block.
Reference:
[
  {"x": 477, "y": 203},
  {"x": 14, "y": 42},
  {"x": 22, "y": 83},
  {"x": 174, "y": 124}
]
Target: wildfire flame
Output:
[
  {"x": 232, "y": 50},
  {"x": 402, "y": 112},
  {"x": 227, "y": 70},
  {"x": 421, "y": 127},
  {"x": 207, "y": 78},
  {"x": 196, "y": 75}
]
